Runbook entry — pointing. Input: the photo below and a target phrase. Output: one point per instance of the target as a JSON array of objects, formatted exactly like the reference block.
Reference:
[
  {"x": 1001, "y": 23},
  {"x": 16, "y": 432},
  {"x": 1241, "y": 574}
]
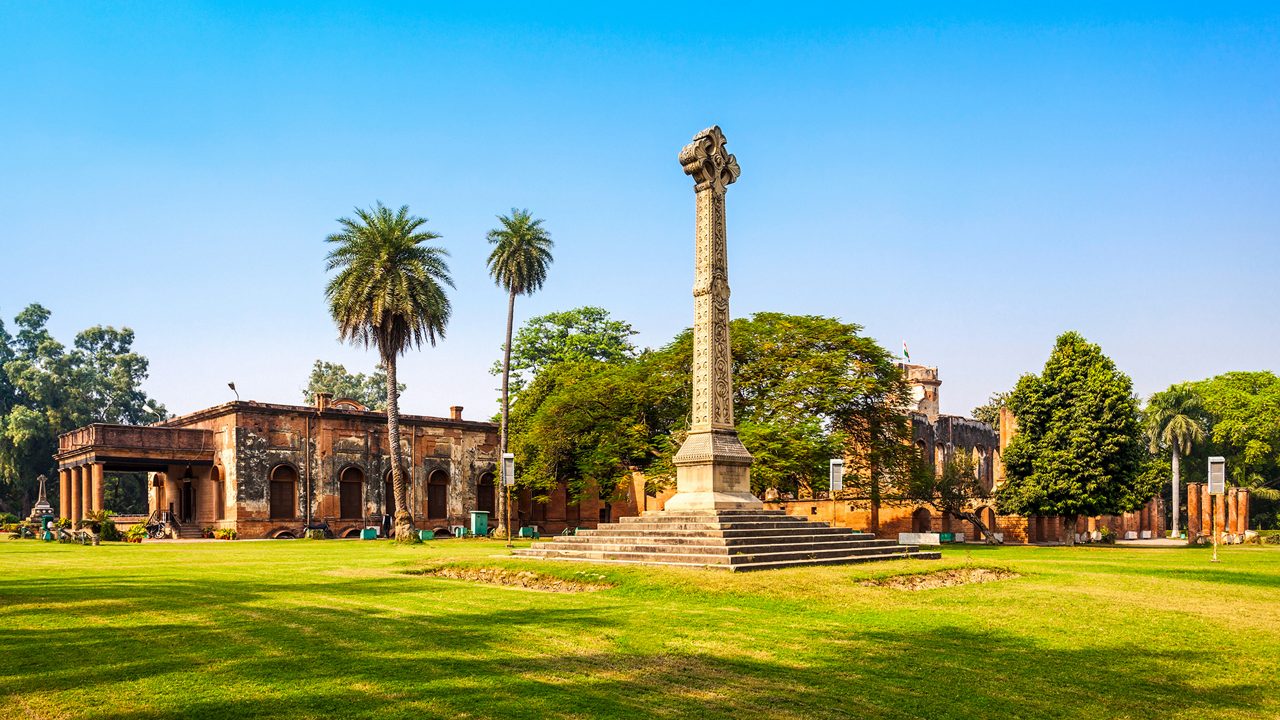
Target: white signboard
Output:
[
  {"x": 1217, "y": 475},
  {"x": 837, "y": 475},
  {"x": 508, "y": 469}
]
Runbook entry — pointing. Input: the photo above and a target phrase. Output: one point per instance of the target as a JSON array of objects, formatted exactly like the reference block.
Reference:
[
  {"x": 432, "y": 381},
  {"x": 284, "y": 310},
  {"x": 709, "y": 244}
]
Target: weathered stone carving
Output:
[{"x": 712, "y": 467}]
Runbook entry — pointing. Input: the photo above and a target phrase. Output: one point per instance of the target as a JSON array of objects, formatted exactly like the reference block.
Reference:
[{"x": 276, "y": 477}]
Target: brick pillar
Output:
[
  {"x": 86, "y": 491},
  {"x": 64, "y": 492},
  {"x": 1206, "y": 509},
  {"x": 77, "y": 509},
  {"x": 99, "y": 485},
  {"x": 1193, "y": 511},
  {"x": 1233, "y": 510},
  {"x": 1220, "y": 515},
  {"x": 1242, "y": 525}
]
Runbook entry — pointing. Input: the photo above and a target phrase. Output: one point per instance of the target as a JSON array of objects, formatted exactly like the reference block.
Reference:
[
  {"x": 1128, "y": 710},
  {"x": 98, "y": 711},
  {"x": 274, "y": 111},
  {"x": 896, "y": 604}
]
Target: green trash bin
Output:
[
  {"x": 426, "y": 535},
  {"x": 369, "y": 533},
  {"x": 946, "y": 537},
  {"x": 480, "y": 523}
]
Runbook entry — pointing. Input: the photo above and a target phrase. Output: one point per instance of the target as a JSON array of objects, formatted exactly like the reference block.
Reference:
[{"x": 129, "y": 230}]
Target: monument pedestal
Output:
[{"x": 713, "y": 472}]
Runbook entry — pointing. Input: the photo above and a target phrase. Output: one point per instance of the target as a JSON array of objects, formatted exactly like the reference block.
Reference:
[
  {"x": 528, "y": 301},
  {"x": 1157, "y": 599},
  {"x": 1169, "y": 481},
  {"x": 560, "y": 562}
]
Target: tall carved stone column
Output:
[
  {"x": 713, "y": 469},
  {"x": 77, "y": 495},
  {"x": 86, "y": 491},
  {"x": 1194, "y": 529}
]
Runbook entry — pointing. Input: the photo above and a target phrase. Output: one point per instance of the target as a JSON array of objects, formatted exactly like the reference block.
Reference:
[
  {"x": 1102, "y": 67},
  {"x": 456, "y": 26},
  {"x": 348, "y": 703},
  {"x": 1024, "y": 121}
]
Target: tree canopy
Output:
[
  {"x": 572, "y": 336},
  {"x": 368, "y": 390},
  {"x": 1079, "y": 448},
  {"x": 47, "y": 389},
  {"x": 805, "y": 387}
]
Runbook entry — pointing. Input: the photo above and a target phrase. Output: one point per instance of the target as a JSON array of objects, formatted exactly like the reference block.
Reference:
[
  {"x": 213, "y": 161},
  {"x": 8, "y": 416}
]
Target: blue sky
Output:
[{"x": 972, "y": 180}]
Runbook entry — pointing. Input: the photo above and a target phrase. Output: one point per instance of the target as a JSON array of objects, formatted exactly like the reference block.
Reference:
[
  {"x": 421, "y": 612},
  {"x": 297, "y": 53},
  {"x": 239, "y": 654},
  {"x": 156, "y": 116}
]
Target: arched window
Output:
[
  {"x": 351, "y": 493},
  {"x": 485, "y": 493},
  {"x": 219, "y": 493},
  {"x": 921, "y": 522},
  {"x": 388, "y": 493},
  {"x": 284, "y": 493},
  {"x": 438, "y": 495}
]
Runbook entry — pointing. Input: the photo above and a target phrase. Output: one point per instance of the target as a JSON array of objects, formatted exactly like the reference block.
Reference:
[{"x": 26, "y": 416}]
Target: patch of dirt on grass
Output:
[
  {"x": 950, "y": 577},
  {"x": 524, "y": 579}
]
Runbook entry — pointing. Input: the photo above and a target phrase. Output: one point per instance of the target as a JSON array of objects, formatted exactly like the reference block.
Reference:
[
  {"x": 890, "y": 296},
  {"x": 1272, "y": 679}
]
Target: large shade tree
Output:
[
  {"x": 518, "y": 263},
  {"x": 1079, "y": 450},
  {"x": 1174, "y": 423},
  {"x": 389, "y": 293}
]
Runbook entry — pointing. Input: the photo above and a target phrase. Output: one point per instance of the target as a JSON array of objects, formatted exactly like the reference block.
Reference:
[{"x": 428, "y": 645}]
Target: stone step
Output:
[
  {"x": 646, "y": 546},
  {"x": 732, "y": 544},
  {"x": 776, "y": 555},
  {"x": 716, "y": 533},
  {"x": 728, "y": 525},
  {"x": 746, "y": 563},
  {"x": 711, "y": 517}
]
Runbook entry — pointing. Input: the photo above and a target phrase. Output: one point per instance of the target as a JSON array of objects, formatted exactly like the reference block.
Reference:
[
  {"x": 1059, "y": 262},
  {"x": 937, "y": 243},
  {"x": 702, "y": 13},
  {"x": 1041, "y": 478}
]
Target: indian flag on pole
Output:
[{"x": 905, "y": 352}]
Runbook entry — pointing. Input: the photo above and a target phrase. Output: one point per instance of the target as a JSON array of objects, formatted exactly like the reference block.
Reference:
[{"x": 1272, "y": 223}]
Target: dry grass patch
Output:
[
  {"x": 581, "y": 581},
  {"x": 949, "y": 577}
]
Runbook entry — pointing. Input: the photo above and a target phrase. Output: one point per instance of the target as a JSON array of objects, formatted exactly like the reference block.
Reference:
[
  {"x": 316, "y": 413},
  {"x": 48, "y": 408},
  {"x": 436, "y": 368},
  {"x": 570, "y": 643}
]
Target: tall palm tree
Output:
[
  {"x": 1173, "y": 422},
  {"x": 518, "y": 263},
  {"x": 389, "y": 293}
]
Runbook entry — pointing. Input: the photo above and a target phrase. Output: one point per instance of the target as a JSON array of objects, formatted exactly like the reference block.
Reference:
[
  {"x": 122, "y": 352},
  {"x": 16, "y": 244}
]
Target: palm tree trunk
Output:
[
  {"x": 405, "y": 531},
  {"x": 1177, "y": 496},
  {"x": 506, "y": 405}
]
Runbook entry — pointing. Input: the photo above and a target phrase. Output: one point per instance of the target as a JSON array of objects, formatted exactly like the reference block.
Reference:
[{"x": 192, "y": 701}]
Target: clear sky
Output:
[{"x": 974, "y": 181}]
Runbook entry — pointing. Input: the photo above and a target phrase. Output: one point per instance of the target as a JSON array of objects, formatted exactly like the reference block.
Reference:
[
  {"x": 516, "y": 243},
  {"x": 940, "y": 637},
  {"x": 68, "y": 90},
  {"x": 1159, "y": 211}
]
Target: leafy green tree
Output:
[
  {"x": 368, "y": 390},
  {"x": 389, "y": 293},
  {"x": 577, "y": 335},
  {"x": 950, "y": 492},
  {"x": 805, "y": 388},
  {"x": 47, "y": 389},
  {"x": 518, "y": 263},
  {"x": 1079, "y": 450},
  {"x": 1174, "y": 422},
  {"x": 989, "y": 412}
]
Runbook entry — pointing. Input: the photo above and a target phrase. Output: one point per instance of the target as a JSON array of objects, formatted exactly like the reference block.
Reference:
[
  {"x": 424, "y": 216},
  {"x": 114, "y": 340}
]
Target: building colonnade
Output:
[{"x": 81, "y": 490}]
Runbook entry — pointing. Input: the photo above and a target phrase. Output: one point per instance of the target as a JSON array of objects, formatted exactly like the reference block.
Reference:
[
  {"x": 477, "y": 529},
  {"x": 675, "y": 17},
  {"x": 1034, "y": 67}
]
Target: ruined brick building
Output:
[{"x": 270, "y": 470}]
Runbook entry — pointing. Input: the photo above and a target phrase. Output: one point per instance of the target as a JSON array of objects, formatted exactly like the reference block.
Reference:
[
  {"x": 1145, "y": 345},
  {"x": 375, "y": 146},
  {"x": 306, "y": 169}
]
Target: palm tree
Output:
[
  {"x": 1173, "y": 422},
  {"x": 518, "y": 263},
  {"x": 389, "y": 293}
]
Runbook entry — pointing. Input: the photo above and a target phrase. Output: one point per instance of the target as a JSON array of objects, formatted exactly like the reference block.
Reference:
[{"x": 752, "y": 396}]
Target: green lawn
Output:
[{"x": 339, "y": 629}]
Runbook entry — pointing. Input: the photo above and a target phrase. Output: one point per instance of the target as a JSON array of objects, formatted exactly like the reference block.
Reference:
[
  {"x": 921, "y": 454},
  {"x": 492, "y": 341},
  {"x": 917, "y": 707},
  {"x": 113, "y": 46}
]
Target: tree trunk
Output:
[
  {"x": 972, "y": 517},
  {"x": 1070, "y": 525},
  {"x": 506, "y": 410},
  {"x": 1177, "y": 496},
  {"x": 405, "y": 531}
]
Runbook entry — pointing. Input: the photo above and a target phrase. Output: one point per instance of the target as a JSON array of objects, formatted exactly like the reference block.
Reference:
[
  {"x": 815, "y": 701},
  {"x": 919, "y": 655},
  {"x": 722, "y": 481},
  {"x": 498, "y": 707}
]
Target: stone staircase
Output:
[
  {"x": 190, "y": 531},
  {"x": 722, "y": 539}
]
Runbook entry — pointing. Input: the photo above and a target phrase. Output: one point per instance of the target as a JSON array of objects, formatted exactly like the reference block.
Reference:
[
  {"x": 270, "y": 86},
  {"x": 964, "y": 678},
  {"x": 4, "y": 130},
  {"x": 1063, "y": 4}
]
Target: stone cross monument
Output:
[{"x": 713, "y": 469}]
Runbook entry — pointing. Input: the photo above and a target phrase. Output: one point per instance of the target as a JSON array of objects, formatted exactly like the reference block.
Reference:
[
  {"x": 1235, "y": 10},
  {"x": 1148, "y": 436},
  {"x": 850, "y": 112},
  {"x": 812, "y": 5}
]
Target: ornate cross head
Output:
[{"x": 707, "y": 161}]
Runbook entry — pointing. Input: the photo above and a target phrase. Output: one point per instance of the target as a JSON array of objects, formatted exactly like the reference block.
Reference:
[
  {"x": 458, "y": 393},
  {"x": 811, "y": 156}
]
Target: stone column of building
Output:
[
  {"x": 76, "y": 495},
  {"x": 1220, "y": 515},
  {"x": 1193, "y": 511},
  {"x": 1233, "y": 510},
  {"x": 86, "y": 491},
  {"x": 64, "y": 493},
  {"x": 99, "y": 486},
  {"x": 713, "y": 469}
]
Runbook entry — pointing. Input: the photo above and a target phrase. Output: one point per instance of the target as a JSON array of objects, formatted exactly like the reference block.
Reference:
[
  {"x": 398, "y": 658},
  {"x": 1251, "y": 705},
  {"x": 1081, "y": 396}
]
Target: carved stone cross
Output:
[{"x": 712, "y": 467}]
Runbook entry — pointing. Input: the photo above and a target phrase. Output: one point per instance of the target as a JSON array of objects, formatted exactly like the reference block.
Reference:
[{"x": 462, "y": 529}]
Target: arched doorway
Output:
[
  {"x": 187, "y": 505},
  {"x": 388, "y": 493},
  {"x": 219, "y": 493},
  {"x": 921, "y": 521},
  {"x": 988, "y": 518},
  {"x": 437, "y": 495},
  {"x": 351, "y": 493},
  {"x": 284, "y": 493},
  {"x": 485, "y": 494}
]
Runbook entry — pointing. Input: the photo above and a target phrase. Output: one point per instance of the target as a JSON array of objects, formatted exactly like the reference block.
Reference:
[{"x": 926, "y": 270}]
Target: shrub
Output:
[
  {"x": 1108, "y": 535},
  {"x": 136, "y": 533},
  {"x": 226, "y": 534},
  {"x": 315, "y": 534},
  {"x": 8, "y": 519},
  {"x": 63, "y": 523}
]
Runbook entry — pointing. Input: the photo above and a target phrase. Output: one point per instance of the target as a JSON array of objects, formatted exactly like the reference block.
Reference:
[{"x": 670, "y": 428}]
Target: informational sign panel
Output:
[
  {"x": 1217, "y": 475},
  {"x": 837, "y": 475},
  {"x": 508, "y": 469}
]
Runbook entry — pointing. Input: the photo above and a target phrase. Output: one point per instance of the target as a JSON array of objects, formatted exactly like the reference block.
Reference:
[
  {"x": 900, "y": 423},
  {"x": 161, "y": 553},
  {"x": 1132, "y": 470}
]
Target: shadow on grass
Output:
[{"x": 235, "y": 650}]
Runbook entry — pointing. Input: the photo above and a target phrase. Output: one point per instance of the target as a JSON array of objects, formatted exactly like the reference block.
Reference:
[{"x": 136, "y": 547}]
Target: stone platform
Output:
[{"x": 722, "y": 539}]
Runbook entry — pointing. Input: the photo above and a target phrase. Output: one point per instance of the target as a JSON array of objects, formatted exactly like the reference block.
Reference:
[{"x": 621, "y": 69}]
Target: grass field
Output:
[{"x": 341, "y": 629}]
